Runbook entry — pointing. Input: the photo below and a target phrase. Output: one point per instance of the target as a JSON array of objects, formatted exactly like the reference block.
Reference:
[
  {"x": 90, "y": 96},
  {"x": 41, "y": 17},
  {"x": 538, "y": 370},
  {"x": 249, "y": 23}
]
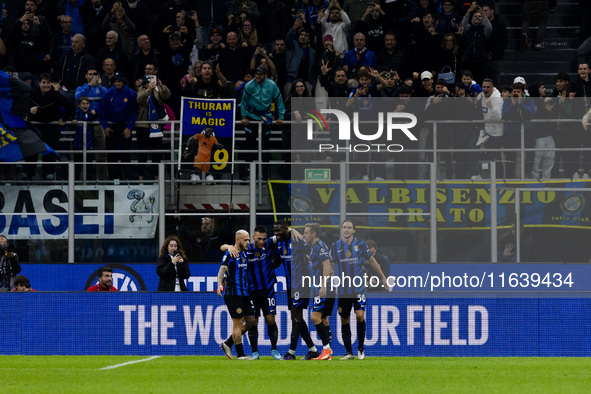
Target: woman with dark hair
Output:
[
  {"x": 172, "y": 266},
  {"x": 450, "y": 55},
  {"x": 298, "y": 89}
]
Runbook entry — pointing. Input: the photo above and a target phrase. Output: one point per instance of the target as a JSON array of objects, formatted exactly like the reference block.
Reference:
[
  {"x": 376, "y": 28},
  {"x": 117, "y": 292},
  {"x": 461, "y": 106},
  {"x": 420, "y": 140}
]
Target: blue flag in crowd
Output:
[{"x": 18, "y": 139}]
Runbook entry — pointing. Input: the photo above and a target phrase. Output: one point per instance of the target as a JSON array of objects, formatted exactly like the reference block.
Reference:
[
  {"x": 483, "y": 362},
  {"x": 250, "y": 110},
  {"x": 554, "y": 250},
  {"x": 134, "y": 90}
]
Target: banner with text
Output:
[
  {"x": 459, "y": 205},
  {"x": 41, "y": 212},
  {"x": 208, "y": 127},
  {"x": 195, "y": 323}
]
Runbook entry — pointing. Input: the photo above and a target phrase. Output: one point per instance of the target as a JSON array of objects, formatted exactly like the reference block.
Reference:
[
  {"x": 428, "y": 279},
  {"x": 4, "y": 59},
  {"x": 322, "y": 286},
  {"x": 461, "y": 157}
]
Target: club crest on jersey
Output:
[
  {"x": 257, "y": 254},
  {"x": 239, "y": 310},
  {"x": 285, "y": 251},
  {"x": 349, "y": 254}
]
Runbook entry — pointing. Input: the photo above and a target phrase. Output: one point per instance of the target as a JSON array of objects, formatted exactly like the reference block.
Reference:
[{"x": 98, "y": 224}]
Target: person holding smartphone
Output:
[{"x": 172, "y": 266}]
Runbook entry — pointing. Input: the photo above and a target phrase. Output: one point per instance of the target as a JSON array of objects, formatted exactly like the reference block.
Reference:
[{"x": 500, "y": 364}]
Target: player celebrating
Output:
[
  {"x": 320, "y": 271},
  {"x": 349, "y": 256},
  {"x": 286, "y": 244},
  {"x": 236, "y": 295},
  {"x": 261, "y": 279}
]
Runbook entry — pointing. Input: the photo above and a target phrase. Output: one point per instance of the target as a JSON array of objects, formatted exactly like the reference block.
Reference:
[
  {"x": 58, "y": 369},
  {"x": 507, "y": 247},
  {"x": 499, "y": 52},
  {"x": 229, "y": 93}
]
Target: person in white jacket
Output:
[
  {"x": 337, "y": 24},
  {"x": 491, "y": 136}
]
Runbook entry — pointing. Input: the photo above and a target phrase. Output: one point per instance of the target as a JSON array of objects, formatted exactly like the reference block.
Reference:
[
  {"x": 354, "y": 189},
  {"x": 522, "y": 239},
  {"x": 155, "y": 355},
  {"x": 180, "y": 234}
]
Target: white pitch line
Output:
[{"x": 129, "y": 362}]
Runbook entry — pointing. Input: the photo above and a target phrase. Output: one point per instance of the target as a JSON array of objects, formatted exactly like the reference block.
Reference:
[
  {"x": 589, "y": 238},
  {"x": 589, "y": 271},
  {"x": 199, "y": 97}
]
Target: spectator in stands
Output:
[
  {"x": 123, "y": 26},
  {"x": 73, "y": 8},
  {"x": 185, "y": 25},
  {"x": 257, "y": 99},
  {"x": 9, "y": 265},
  {"x": 234, "y": 60},
  {"x": 426, "y": 41},
  {"x": 71, "y": 67},
  {"x": 543, "y": 133},
  {"x": 248, "y": 35},
  {"x": 472, "y": 88},
  {"x": 374, "y": 24},
  {"x": 581, "y": 105},
  {"x": 566, "y": 135},
  {"x": 168, "y": 12},
  {"x": 112, "y": 50},
  {"x": 213, "y": 50},
  {"x": 534, "y": 10},
  {"x": 40, "y": 23},
  {"x": 355, "y": 9},
  {"x": 359, "y": 56},
  {"x": 339, "y": 87},
  {"x": 496, "y": 44},
  {"x": 139, "y": 13},
  {"x": 447, "y": 20},
  {"x": 173, "y": 66},
  {"x": 491, "y": 136},
  {"x": 536, "y": 89},
  {"x": 260, "y": 57},
  {"x": 22, "y": 284},
  {"x": 507, "y": 246},
  {"x": 279, "y": 58},
  {"x": 212, "y": 14},
  {"x": 48, "y": 105},
  {"x": 276, "y": 20},
  {"x": 247, "y": 7},
  {"x": 208, "y": 84},
  {"x": 85, "y": 114},
  {"x": 336, "y": 24},
  {"x": 425, "y": 88},
  {"x": 26, "y": 45},
  {"x": 109, "y": 69},
  {"x": 438, "y": 108},
  {"x": 105, "y": 280},
  {"x": 204, "y": 238},
  {"x": 144, "y": 55},
  {"x": 383, "y": 260},
  {"x": 463, "y": 109},
  {"x": 450, "y": 56},
  {"x": 150, "y": 102},
  {"x": 301, "y": 57},
  {"x": 476, "y": 33},
  {"x": 94, "y": 13},
  {"x": 62, "y": 40},
  {"x": 517, "y": 110},
  {"x": 172, "y": 266},
  {"x": 118, "y": 115},
  {"x": 395, "y": 57}
]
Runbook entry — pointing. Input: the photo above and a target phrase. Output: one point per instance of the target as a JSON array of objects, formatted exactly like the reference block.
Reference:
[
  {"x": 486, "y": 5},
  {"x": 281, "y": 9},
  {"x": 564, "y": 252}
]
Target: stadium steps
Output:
[{"x": 561, "y": 40}]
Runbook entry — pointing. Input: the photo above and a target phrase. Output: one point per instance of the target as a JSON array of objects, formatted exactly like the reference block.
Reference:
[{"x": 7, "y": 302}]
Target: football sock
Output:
[
  {"x": 346, "y": 332},
  {"x": 305, "y": 334},
  {"x": 313, "y": 349},
  {"x": 253, "y": 337},
  {"x": 321, "y": 328},
  {"x": 273, "y": 335},
  {"x": 329, "y": 334},
  {"x": 295, "y": 336},
  {"x": 239, "y": 350},
  {"x": 230, "y": 341},
  {"x": 360, "y": 334}
]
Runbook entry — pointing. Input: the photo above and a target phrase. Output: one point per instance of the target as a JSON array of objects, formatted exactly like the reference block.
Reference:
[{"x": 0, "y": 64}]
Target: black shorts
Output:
[
  {"x": 239, "y": 306},
  {"x": 264, "y": 300},
  {"x": 298, "y": 300},
  {"x": 345, "y": 305},
  {"x": 323, "y": 305}
]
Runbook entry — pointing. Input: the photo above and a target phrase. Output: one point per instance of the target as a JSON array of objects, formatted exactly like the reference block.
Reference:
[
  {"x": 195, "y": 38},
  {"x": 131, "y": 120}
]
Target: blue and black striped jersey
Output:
[
  {"x": 299, "y": 264},
  {"x": 283, "y": 249},
  {"x": 318, "y": 254},
  {"x": 237, "y": 277},
  {"x": 261, "y": 275},
  {"x": 349, "y": 262}
]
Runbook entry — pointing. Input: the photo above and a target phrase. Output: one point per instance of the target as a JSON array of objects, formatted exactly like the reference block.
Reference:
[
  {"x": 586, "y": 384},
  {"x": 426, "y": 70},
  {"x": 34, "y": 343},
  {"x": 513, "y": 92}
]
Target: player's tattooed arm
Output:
[{"x": 221, "y": 273}]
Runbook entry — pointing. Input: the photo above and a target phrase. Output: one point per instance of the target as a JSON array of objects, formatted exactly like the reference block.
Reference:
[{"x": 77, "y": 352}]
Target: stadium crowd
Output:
[{"x": 123, "y": 62}]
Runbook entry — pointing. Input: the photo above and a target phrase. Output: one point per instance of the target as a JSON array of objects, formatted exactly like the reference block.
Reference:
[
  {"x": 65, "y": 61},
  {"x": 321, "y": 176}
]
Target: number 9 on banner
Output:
[{"x": 220, "y": 156}]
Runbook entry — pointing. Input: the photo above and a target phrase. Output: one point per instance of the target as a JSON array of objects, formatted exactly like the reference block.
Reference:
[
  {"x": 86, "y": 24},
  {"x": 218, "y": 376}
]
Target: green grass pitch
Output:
[{"x": 82, "y": 374}]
